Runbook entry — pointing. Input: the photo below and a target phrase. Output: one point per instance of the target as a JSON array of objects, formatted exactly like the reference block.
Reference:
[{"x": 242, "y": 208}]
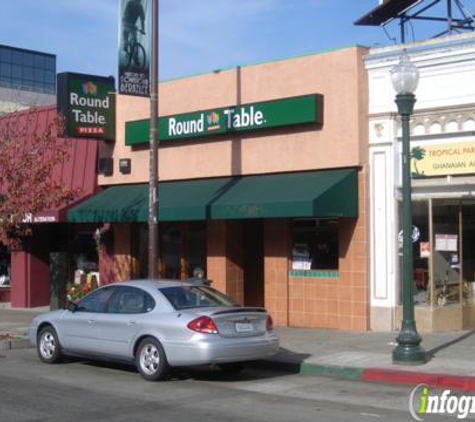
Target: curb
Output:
[
  {"x": 391, "y": 376},
  {"x": 446, "y": 381},
  {"x": 10, "y": 343},
  {"x": 348, "y": 372}
]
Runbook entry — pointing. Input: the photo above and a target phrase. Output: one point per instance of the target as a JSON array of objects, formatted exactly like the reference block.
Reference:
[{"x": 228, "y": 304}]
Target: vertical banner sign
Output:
[
  {"x": 87, "y": 104},
  {"x": 134, "y": 60}
]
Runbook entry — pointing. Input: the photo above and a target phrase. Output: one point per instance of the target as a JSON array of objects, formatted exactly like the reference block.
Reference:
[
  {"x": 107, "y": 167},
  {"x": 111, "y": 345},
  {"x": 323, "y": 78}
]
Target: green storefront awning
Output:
[{"x": 330, "y": 193}]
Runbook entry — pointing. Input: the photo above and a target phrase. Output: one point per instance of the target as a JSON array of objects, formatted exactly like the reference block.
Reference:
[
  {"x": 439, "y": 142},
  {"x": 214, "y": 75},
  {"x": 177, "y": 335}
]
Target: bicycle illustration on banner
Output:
[{"x": 133, "y": 51}]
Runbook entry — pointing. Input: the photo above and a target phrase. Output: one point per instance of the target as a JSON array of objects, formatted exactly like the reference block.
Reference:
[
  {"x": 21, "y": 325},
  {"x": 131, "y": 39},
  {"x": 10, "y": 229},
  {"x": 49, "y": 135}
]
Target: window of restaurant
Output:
[
  {"x": 182, "y": 249},
  {"x": 83, "y": 256},
  {"x": 443, "y": 252},
  {"x": 315, "y": 244}
]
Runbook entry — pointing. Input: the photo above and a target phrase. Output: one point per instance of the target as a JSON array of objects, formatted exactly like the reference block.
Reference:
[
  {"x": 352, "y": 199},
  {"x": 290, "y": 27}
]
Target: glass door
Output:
[
  {"x": 446, "y": 252},
  {"x": 468, "y": 251}
]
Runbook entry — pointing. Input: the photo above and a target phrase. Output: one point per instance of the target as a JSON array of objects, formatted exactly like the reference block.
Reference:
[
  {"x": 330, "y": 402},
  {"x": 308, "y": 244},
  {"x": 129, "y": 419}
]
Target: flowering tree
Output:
[{"x": 31, "y": 153}]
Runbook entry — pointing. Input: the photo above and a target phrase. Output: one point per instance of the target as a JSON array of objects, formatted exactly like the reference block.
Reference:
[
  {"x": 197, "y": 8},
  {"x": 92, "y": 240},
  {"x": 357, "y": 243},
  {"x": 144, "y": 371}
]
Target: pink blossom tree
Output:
[{"x": 31, "y": 153}]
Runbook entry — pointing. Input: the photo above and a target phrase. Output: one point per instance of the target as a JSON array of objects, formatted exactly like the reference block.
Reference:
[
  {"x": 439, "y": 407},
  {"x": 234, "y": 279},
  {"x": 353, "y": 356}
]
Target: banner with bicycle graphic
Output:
[{"x": 134, "y": 61}]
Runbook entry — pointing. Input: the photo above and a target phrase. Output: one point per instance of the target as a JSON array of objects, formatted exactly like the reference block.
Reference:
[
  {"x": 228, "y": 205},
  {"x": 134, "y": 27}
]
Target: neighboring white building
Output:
[{"x": 443, "y": 144}]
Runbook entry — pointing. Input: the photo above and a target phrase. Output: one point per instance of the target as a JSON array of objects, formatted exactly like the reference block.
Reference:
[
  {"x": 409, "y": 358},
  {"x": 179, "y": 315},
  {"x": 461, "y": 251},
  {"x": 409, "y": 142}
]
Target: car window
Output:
[
  {"x": 96, "y": 301},
  {"x": 182, "y": 297},
  {"x": 130, "y": 300}
]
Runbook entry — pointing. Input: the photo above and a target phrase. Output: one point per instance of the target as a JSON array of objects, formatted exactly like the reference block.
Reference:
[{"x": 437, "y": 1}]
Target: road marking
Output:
[{"x": 373, "y": 415}]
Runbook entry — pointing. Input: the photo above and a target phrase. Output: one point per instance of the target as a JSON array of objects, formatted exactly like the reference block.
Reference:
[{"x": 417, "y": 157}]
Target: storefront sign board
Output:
[
  {"x": 226, "y": 120},
  {"x": 87, "y": 104},
  {"x": 443, "y": 159}
]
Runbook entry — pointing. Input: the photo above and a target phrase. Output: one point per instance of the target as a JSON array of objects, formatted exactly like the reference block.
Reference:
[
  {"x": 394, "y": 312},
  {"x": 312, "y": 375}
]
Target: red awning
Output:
[{"x": 78, "y": 171}]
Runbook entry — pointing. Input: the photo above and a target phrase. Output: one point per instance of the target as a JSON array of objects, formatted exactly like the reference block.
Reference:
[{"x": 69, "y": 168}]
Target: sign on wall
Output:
[
  {"x": 134, "y": 62},
  {"x": 443, "y": 159},
  {"x": 87, "y": 104},
  {"x": 263, "y": 115}
]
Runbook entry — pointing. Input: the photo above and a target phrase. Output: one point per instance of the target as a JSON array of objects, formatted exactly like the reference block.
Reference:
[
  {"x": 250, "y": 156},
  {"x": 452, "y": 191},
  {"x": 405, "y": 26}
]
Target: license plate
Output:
[{"x": 244, "y": 327}]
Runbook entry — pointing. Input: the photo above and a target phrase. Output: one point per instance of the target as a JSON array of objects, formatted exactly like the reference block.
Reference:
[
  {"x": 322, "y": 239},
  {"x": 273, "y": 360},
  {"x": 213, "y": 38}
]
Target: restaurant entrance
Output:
[
  {"x": 444, "y": 258},
  {"x": 253, "y": 262}
]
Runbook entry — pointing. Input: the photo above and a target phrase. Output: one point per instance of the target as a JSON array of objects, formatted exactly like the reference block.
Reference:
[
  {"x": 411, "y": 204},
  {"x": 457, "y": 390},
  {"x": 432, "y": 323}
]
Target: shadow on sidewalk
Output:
[
  {"x": 432, "y": 352},
  {"x": 285, "y": 360}
]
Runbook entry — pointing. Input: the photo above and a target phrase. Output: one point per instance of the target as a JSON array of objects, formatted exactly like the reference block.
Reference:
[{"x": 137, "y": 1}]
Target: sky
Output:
[{"x": 196, "y": 36}]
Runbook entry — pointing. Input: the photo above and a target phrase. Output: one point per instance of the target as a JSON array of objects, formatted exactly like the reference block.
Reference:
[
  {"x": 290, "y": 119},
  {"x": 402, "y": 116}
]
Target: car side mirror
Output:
[{"x": 72, "y": 307}]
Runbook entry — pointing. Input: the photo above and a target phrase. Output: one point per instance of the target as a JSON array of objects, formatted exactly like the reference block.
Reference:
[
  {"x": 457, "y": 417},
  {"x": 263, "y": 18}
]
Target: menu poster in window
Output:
[
  {"x": 425, "y": 249},
  {"x": 301, "y": 257},
  {"x": 446, "y": 242}
]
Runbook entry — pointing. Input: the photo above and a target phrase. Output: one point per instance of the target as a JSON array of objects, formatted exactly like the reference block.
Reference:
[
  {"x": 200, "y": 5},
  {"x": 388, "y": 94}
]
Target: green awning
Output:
[
  {"x": 113, "y": 205},
  {"x": 330, "y": 193},
  {"x": 178, "y": 201}
]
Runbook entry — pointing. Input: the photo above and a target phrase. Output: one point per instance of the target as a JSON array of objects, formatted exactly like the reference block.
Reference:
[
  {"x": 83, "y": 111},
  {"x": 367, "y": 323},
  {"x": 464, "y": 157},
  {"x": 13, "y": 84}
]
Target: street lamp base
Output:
[{"x": 409, "y": 354}]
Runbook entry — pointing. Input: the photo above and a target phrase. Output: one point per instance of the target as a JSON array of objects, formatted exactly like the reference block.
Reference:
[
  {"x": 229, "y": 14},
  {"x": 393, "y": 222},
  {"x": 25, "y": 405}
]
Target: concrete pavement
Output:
[
  {"x": 365, "y": 356},
  {"x": 80, "y": 390}
]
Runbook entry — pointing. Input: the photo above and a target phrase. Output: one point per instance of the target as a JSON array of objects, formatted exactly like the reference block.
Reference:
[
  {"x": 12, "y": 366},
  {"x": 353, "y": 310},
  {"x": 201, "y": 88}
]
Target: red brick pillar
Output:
[
  {"x": 225, "y": 258},
  {"x": 277, "y": 237}
]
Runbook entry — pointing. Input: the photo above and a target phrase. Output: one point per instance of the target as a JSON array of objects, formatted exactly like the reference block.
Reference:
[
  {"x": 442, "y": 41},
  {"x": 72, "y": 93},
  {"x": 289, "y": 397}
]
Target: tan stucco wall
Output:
[{"x": 341, "y": 142}]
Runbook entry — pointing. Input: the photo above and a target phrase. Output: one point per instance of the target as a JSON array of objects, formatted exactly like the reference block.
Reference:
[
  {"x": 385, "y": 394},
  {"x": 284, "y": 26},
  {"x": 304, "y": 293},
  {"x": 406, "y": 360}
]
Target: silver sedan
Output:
[{"x": 156, "y": 325}]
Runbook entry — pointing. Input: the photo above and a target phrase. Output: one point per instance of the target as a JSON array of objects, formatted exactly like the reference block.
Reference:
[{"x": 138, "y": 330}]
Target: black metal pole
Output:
[
  {"x": 153, "y": 252},
  {"x": 408, "y": 351}
]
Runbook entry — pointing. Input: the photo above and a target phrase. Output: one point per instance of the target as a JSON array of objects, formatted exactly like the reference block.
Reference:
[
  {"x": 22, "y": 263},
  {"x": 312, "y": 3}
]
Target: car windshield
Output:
[{"x": 183, "y": 297}]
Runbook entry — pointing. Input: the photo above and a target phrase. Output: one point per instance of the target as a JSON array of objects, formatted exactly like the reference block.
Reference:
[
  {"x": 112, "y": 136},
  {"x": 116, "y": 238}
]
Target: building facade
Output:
[
  {"x": 263, "y": 185},
  {"x": 28, "y": 269},
  {"x": 443, "y": 181}
]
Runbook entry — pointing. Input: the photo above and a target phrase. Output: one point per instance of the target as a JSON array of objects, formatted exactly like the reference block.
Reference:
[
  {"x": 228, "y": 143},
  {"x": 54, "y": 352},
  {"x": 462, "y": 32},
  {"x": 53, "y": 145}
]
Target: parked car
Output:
[{"x": 156, "y": 325}]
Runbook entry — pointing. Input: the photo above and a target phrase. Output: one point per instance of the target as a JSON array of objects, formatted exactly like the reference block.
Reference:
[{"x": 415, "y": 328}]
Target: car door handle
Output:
[
  {"x": 91, "y": 321},
  {"x": 131, "y": 323}
]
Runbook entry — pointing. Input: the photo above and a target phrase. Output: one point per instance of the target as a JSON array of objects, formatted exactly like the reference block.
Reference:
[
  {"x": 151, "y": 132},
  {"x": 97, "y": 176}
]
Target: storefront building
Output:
[
  {"x": 443, "y": 173},
  {"x": 263, "y": 185}
]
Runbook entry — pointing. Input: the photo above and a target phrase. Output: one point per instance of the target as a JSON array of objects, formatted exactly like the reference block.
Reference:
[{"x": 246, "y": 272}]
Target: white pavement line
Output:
[{"x": 373, "y": 415}]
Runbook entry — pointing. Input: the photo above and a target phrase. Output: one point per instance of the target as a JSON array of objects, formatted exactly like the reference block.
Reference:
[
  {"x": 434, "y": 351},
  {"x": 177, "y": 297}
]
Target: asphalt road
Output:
[{"x": 84, "y": 391}]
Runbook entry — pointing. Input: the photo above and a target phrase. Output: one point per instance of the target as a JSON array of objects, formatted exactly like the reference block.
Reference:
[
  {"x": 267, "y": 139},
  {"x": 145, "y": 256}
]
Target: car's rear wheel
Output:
[
  {"x": 151, "y": 360},
  {"x": 47, "y": 345}
]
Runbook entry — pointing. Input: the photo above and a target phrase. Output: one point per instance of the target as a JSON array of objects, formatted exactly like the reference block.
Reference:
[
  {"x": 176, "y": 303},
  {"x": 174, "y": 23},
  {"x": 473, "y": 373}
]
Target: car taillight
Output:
[
  {"x": 269, "y": 324},
  {"x": 203, "y": 325}
]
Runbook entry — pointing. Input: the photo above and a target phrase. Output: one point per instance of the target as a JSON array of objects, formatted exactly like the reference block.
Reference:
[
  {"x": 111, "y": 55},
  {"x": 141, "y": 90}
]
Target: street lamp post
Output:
[
  {"x": 153, "y": 176},
  {"x": 405, "y": 78}
]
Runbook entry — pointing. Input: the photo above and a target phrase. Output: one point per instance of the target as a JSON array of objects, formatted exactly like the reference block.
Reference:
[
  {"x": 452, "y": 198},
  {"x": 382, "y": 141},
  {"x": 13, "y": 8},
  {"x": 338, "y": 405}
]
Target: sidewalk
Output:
[
  {"x": 365, "y": 356},
  {"x": 368, "y": 356}
]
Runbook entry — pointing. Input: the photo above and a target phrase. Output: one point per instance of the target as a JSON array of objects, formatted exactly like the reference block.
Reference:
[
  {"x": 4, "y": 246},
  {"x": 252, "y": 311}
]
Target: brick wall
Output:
[
  {"x": 342, "y": 300},
  {"x": 225, "y": 258},
  {"x": 276, "y": 269}
]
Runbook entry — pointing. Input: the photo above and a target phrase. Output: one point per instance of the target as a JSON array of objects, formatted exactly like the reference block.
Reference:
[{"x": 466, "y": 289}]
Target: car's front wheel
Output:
[
  {"x": 48, "y": 347},
  {"x": 151, "y": 360}
]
